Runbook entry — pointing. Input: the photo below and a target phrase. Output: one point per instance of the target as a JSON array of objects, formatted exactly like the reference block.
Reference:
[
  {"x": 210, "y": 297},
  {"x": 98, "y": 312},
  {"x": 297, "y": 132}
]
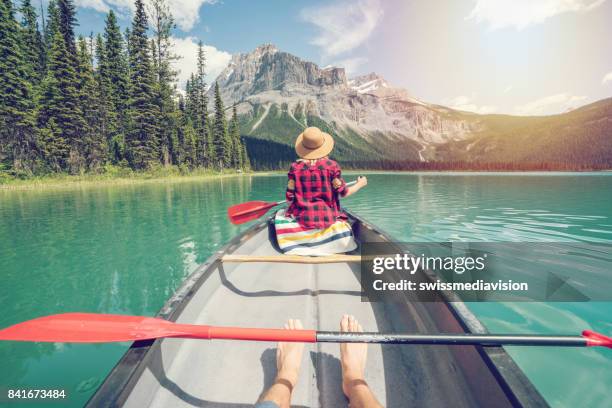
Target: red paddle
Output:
[
  {"x": 102, "y": 328},
  {"x": 249, "y": 211},
  {"x": 241, "y": 213}
]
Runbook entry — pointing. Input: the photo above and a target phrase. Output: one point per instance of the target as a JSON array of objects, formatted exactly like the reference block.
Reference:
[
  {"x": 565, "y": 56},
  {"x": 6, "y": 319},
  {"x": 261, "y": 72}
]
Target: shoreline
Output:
[
  {"x": 95, "y": 180},
  {"x": 100, "y": 180}
]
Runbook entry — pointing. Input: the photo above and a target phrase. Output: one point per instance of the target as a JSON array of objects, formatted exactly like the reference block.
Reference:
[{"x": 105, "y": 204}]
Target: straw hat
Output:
[{"x": 313, "y": 144}]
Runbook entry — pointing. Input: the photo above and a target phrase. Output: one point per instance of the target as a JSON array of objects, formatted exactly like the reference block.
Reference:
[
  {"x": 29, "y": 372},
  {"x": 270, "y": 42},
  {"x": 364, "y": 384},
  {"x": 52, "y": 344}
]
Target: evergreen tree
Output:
[
  {"x": 189, "y": 107},
  {"x": 66, "y": 24},
  {"x": 51, "y": 27},
  {"x": 234, "y": 132},
  {"x": 60, "y": 113},
  {"x": 109, "y": 124},
  {"x": 244, "y": 158},
  {"x": 17, "y": 127},
  {"x": 113, "y": 85},
  {"x": 142, "y": 139},
  {"x": 32, "y": 42},
  {"x": 211, "y": 151},
  {"x": 127, "y": 34},
  {"x": 94, "y": 142},
  {"x": 221, "y": 139},
  {"x": 190, "y": 145},
  {"x": 187, "y": 140},
  {"x": 43, "y": 32},
  {"x": 114, "y": 67},
  {"x": 204, "y": 146},
  {"x": 163, "y": 56},
  {"x": 165, "y": 76}
]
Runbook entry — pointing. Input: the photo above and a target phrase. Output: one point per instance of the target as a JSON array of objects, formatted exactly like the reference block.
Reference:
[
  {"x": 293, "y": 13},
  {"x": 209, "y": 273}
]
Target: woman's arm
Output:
[
  {"x": 290, "y": 192},
  {"x": 362, "y": 181}
]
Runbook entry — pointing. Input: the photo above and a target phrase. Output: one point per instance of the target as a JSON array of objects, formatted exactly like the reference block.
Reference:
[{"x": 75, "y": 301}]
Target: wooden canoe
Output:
[{"x": 186, "y": 373}]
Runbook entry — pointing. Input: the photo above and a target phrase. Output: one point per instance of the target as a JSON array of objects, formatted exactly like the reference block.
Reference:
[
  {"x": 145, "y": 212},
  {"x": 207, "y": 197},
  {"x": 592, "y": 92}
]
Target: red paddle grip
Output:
[
  {"x": 597, "y": 339},
  {"x": 237, "y": 333},
  {"x": 254, "y": 210},
  {"x": 240, "y": 333}
]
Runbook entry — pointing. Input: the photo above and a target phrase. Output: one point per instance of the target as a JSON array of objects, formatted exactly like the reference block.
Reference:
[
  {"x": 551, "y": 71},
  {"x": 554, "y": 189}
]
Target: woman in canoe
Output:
[{"x": 314, "y": 223}]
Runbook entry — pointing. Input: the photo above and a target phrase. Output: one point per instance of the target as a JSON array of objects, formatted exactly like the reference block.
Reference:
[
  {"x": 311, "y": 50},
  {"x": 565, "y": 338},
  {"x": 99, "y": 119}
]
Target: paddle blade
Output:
[
  {"x": 245, "y": 212},
  {"x": 89, "y": 328}
]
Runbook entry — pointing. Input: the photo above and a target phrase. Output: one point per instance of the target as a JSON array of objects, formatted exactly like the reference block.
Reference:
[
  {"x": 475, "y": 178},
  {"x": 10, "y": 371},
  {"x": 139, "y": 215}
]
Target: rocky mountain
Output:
[{"x": 278, "y": 94}]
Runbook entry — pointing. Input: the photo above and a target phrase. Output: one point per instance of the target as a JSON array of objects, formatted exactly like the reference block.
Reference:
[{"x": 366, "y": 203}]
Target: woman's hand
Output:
[{"x": 362, "y": 181}]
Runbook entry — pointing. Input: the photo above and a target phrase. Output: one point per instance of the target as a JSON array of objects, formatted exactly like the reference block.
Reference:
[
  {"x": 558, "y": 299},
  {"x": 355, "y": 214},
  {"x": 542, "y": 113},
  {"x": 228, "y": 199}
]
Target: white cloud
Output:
[
  {"x": 607, "y": 78},
  {"x": 98, "y": 5},
  {"x": 508, "y": 88},
  {"x": 350, "y": 65},
  {"x": 343, "y": 26},
  {"x": 552, "y": 104},
  {"x": 522, "y": 13},
  {"x": 187, "y": 48},
  {"x": 466, "y": 103},
  {"x": 185, "y": 12}
]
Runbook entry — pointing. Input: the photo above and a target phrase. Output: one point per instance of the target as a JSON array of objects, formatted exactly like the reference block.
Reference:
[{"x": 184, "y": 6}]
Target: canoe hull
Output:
[{"x": 176, "y": 372}]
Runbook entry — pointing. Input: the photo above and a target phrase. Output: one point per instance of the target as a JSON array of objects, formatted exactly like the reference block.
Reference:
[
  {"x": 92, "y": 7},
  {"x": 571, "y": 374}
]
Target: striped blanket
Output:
[{"x": 296, "y": 240}]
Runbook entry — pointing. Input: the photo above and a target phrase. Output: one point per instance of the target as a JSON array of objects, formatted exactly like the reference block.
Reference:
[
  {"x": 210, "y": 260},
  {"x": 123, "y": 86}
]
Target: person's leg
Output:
[
  {"x": 353, "y": 357},
  {"x": 288, "y": 361}
]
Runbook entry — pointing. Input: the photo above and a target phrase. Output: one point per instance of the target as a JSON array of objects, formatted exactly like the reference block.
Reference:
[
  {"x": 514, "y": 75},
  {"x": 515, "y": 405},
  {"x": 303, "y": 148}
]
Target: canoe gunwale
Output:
[{"x": 118, "y": 384}]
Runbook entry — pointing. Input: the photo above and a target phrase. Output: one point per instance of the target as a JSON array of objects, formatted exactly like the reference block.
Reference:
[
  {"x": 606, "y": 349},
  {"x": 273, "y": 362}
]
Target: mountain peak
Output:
[
  {"x": 267, "y": 69},
  {"x": 368, "y": 83},
  {"x": 267, "y": 48}
]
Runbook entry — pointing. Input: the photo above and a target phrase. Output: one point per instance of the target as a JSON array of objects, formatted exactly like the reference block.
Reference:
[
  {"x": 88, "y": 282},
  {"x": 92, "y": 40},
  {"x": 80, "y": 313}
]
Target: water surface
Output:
[{"x": 125, "y": 249}]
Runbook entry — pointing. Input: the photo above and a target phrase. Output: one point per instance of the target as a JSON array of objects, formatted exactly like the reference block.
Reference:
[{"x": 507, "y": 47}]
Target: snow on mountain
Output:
[{"x": 367, "y": 83}]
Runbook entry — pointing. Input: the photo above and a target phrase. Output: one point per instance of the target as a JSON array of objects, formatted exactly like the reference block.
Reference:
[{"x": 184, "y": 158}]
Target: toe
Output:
[
  {"x": 351, "y": 322},
  {"x": 344, "y": 323}
]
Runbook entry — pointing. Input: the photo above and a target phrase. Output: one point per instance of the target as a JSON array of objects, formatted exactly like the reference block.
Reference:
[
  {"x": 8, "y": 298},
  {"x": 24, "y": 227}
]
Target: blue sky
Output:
[{"x": 505, "y": 56}]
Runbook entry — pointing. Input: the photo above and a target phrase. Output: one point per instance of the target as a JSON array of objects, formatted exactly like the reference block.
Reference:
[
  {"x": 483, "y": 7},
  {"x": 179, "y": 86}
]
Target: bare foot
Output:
[
  {"x": 289, "y": 355},
  {"x": 352, "y": 355}
]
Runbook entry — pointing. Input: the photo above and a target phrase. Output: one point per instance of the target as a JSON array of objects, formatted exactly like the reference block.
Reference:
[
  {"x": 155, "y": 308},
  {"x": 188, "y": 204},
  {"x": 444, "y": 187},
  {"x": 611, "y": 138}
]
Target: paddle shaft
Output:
[
  {"x": 452, "y": 339},
  {"x": 311, "y": 336}
]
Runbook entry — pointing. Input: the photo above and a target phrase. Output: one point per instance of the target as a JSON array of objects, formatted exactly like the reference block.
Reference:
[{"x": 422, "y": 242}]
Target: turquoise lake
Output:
[{"x": 125, "y": 249}]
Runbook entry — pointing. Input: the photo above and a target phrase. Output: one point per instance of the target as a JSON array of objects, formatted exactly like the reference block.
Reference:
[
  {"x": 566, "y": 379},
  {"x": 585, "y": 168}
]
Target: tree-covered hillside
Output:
[
  {"x": 581, "y": 138},
  {"x": 274, "y": 127},
  {"x": 577, "y": 140},
  {"x": 75, "y": 105}
]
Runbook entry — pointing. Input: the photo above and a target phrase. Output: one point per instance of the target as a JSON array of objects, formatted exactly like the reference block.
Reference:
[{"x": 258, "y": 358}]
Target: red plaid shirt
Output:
[{"x": 313, "y": 193}]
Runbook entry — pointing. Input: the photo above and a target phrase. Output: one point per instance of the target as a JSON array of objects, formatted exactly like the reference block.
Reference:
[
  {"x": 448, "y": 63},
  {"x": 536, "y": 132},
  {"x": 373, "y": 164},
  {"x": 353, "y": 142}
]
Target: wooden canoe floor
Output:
[{"x": 234, "y": 374}]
